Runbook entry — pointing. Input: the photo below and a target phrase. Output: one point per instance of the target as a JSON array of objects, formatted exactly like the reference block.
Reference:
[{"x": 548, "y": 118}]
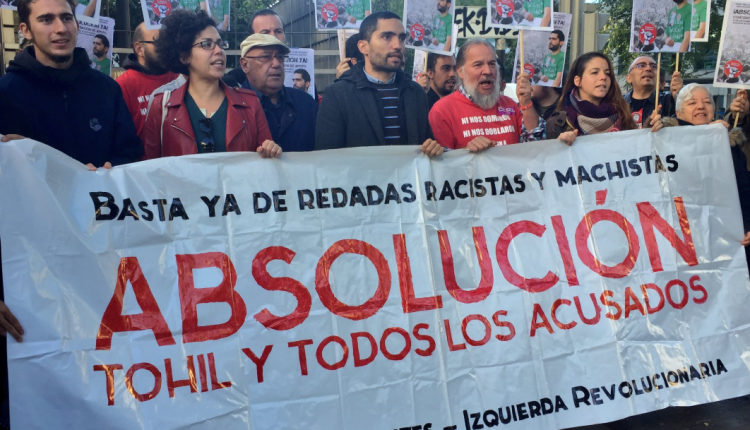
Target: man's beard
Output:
[
  {"x": 443, "y": 89},
  {"x": 443, "y": 9},
  {"x": 153, "y": 65},
  {"x": 98, "y": 54},
  {"x": 59, "y": 59},
  {"x": 554, "y": 48},
  {"x": 484, "y": 101},
  {"x": 381, "y": 63},
  {"x": 679, "y": 1}
]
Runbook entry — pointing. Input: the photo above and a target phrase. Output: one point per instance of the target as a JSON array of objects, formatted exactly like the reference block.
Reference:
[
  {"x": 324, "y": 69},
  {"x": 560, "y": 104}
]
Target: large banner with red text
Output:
[{"x": 533, "y": 286}]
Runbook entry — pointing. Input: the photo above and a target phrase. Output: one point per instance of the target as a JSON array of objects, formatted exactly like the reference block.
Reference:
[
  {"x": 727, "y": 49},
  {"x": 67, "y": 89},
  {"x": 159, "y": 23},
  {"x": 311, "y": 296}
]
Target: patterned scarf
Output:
[{"x": 590, "y": 118}]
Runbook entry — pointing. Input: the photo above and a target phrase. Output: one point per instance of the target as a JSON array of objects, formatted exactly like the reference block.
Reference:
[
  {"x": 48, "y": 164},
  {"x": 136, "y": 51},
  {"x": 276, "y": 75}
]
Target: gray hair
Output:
[
  {"x": 686, "y": 93},
  {"x": 461, "y": 57}
]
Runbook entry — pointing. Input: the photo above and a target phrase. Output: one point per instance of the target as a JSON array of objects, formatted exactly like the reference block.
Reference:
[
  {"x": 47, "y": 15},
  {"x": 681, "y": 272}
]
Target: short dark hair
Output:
[
  {"x": 305, "y": 75},
  {"x": 352, "y": 49},
  {"x": 370, "y": 24},
  {"x": 24, "y": 9},
  {"x": 432, "y": 59},
  {"x": 177, "y": 36},
  {"x": 264, "y": 12},
  {"x": 103, "y": 39},
  {"x": 560, "y": 35}
]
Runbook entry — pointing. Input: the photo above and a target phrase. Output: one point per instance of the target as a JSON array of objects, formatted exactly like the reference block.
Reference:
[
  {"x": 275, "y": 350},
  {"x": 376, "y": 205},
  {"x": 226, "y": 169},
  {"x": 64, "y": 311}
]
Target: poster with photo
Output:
[
  {"x": 661, "y": 26},
  {"x": 700, "y": 21},
  {"x": 88, "y": 11},
  {"x": 300, "y": 58},
  {"x": 337, "y": 14},
  {"x": 733, "y": 67},
  {"x": 429, "y": 25},
  {"x": 156, "y": 10},
  {"x": 420, "y": 64},
  {"x": 97, "y": 39},
  {"x": 8, "y": 4},
  {"x": 544, "y": 53},
  {"x": 219, "y": 11},
  {"x": 521, "y": 14}
]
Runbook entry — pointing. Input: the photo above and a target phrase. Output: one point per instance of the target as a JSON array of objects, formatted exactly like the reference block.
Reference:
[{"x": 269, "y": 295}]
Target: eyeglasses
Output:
[
  {"x": 651, "y": 66},
  {"x": 147, "y": 41},
  {"x": 207, "y": 143},
  {"x": 209, "y": 44},
  {"x": 268, "y": 57}
]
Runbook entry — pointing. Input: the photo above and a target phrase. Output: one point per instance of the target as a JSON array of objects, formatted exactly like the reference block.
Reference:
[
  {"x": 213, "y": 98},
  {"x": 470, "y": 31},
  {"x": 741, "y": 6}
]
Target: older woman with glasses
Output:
[{"x": 204, "y": 115}]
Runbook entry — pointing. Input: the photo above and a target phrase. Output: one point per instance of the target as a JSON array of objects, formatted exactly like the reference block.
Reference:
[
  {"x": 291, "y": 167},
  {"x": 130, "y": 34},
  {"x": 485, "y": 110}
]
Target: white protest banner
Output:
[
  {"x": 700, "y": 21},
  {"x": 535, "y": 285},
  {"x": 544, "y": 53},
  {"x": 472, "y": 22},
  {"x": 156, "y": 10},
  {"x": 300, "y": 58},
  {"x": 337, "y": 14},
  {"x": 660, "y": 26},
  {"x": 429, "y": 25},
  {"x": 97, "y": 40},
  {"x": 733, "y": 67},
  {"x": 521, "y": 14}
]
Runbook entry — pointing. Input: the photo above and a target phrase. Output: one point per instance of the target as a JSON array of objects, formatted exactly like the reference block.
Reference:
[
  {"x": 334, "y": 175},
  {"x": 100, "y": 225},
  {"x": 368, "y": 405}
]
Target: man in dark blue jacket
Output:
[
  {"x": 291, "y": 113},
  {"x": 51, "y": 94}
]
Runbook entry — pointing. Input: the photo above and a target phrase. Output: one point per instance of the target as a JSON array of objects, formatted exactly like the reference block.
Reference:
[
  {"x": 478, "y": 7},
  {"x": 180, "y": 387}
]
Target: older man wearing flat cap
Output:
[{"x": 291, "y": 113}]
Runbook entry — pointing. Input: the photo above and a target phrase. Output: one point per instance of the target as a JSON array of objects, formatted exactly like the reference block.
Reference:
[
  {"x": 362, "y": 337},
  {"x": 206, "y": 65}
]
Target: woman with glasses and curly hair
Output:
[{"x": 204, "y": 115}]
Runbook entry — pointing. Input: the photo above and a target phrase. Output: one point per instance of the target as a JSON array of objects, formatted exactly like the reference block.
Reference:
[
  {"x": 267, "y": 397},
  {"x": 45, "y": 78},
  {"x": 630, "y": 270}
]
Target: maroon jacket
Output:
[{"x": 247, "y": 128}]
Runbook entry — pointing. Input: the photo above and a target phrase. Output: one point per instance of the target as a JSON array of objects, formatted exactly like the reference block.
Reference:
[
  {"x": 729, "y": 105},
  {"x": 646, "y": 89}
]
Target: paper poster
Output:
[
  {"x": 343, "y": 36},
  {"x": 97, "y": 40},
  {"x": 521, "y": 14},
  {"x": 336, "y": 14},
  {"x": 300, "y": 58},
  {"x": 700, "y": 21},
  {"x": 534, "y": 287},
  {"x": 474, "y": 22},
  {"x": 660, "y": 26},
  {"x": 219, "y": 11},
  {"x": 420, "y": 64},
  {"x": 429, "y": 25},
  {"x": 544, "y": 53},
  {"x": 156, "y": 10},
  {"x": 88, "y": 11},
  {"x": 8, "y": 4},
  {"x": 733, "y": 67}
]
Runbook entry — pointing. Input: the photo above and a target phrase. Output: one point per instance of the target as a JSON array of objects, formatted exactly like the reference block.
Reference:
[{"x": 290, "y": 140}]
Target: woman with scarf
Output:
[{"x": 591, "y": 104}]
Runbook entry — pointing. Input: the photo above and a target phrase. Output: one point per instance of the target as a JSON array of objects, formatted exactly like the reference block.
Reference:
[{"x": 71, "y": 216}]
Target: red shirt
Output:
[
  {"x": 136, "y": 89},
  {"x": 456, "y": 121}
]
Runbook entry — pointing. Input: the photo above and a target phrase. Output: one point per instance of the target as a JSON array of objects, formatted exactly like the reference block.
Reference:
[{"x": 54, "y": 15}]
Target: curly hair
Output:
[{"x": 177, "y": 36}]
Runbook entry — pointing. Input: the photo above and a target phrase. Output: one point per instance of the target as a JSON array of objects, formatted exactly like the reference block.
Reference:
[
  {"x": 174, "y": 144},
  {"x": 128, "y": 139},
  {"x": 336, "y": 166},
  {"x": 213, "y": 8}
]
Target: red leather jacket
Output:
[{"x": 247, "y": 127}]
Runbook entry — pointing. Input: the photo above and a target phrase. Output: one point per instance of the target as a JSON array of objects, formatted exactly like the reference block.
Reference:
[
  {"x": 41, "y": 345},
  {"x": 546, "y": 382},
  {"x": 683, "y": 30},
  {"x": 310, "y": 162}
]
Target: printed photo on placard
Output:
[
  {"x": 733, "y": 67},
  {"x": 661, "y": 26},
  {"x": 544, "y": 53},
  {"x": 8, "y": 4},
  {"x": 521, "y": 14},
  {"x": 88, "y": 11},
  {"x": 96, "y": 39},
  {"x": 299, "y": 70},
  {"x": 156, "y": 10},
  {"x": 219, "y": 11},
  {"x": 420, "y": 64},
  {"x": 337, "y": 14},
  {"x": 700, "y": 21},
  {"x": 429, "y": 25}
]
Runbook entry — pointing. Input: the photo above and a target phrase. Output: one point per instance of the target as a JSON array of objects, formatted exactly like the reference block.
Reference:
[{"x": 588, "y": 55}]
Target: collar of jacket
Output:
[
  {"x": 178, "y": 96},
  {"x": 357, "y": 76}
]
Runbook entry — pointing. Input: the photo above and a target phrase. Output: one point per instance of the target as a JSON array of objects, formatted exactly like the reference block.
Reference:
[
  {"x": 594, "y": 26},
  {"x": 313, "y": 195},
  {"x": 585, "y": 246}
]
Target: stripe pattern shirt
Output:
[{"x": 391, "y": 115}]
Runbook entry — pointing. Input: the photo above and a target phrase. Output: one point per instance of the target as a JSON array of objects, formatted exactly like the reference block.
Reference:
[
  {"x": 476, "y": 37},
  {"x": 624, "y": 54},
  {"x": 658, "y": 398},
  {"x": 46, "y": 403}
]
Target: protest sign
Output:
[
  {"x": 156, "y": 10},
  {"x": 733, "y": 67},
  {"x": 544, "y": 53},
  {"x": 220, "y": 12},
  {"x": 660, "y": 26},
  {"x": 88, "y": 11},
  {"x": 521, "y": 14},
  {"x": 336, "y": 14},
  {"x": 8, "y": 4},
  {"x": 97, "y": 39},
  {"x": 429, "y": 25},
  {"x": 420, "y": 64},
  {"x": 535, "y": 285},
  {"x": 300, "y": 58},
  {"x": 700, "y": 21},
  {"x": 473, "y": 22}
]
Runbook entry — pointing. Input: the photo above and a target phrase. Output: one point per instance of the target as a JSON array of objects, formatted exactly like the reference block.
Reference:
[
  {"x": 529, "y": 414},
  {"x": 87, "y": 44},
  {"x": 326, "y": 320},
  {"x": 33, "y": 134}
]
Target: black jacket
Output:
[
  {"x": 78, "y": 111},
  {"x": 351, "y": 111},
  {"x": 235, "y": 78},
  {"x": 667, "y": 105}
]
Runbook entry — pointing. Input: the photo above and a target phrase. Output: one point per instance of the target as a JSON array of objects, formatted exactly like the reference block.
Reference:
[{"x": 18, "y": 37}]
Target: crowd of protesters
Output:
[{"x": 176, "y": 98}]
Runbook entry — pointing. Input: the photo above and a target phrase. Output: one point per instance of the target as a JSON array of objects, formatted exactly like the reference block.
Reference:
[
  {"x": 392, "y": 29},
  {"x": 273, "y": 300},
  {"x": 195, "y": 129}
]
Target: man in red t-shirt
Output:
[
  {"x": 143, "y": 75},
  {"x": 477, "y": 116}
]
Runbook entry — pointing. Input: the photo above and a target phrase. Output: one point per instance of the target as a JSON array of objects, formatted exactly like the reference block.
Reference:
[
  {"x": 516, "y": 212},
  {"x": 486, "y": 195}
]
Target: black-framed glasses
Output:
[
  {"x": 209, "y": 44},
  {"x": 269, "y": 57},
  {"x": 207, "y": 143},
  {"x": 149, "y": 42}
]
